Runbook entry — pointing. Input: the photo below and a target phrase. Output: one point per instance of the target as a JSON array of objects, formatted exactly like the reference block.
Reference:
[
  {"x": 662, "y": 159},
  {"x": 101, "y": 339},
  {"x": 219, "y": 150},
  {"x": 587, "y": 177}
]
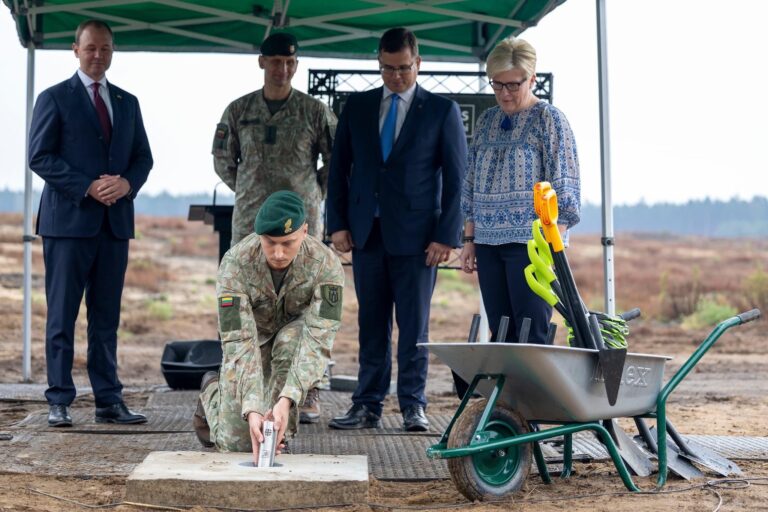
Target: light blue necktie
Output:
[{"x": 388, "y": 129}]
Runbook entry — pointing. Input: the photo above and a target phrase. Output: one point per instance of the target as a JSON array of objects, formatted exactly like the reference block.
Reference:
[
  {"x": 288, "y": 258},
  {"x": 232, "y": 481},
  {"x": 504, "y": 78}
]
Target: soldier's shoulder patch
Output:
[
  {"x": 221, "y": 136},
  {"x": 331, "y": 305},
  {"x": 229, "y": 313}
]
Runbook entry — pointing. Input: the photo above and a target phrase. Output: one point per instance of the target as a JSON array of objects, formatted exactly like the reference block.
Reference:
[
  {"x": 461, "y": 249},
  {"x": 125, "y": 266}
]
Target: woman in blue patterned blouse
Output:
[{"x": 516, "y": 144}]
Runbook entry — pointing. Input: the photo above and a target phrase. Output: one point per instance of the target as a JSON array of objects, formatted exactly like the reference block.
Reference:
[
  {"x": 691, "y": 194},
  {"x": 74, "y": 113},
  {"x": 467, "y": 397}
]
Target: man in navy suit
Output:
[
  {"x": 393, "y": 199},
  {"x": 87, "y": 141}
]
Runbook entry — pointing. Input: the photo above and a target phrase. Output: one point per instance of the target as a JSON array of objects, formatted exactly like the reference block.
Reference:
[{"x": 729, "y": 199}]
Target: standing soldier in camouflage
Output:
[
  {"x": 279, "y": 299},
  {"x": 270, "y": 140}
]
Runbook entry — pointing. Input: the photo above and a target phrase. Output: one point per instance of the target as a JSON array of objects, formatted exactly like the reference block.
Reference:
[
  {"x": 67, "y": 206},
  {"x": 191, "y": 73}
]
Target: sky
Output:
[{"x": 687, "y": 90}]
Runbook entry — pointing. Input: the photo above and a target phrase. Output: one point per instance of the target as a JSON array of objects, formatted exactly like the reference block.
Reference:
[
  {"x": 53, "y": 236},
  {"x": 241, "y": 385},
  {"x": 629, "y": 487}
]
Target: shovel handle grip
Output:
[
  {"x": 548, "y": 217},
  {"x": 631, "y": 314},
  {"x": 538, "y": 192},
  {"x": 544, "y": 272},
  {"x": 541, "y": 243},
  {"x": 537, "y": 288}
]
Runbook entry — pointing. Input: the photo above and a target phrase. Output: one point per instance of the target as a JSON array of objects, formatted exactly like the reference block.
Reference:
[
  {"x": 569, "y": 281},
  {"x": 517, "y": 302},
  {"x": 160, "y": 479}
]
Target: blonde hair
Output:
[{"x": 511, "y": 53}]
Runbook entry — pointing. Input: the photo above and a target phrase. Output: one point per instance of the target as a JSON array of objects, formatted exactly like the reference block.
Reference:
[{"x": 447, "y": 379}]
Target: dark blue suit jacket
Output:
[
  {"x": 67, "y": 149},
  {"x": 418, "y": 188}
]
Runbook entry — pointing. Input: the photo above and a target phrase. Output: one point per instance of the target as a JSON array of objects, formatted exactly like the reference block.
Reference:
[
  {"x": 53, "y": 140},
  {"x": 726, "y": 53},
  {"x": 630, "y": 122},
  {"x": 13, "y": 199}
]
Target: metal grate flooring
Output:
[{"x": 91, "y": 449}]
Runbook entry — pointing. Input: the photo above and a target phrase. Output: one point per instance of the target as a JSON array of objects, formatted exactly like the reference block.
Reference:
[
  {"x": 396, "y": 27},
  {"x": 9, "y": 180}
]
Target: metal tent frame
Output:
[{"x": 448, "y": 30}]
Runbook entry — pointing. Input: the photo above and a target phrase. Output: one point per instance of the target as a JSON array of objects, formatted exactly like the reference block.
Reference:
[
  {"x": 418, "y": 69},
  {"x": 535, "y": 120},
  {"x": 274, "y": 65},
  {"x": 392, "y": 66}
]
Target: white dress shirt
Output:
[
  {"x": 403, "y": 104},
  {"x": 103, "y": 91}
]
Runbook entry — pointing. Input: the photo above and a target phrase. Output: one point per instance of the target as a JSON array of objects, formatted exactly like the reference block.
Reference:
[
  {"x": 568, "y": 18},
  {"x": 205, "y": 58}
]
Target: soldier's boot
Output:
[
  {"x": 199, "y": 422},
  {"x": 309, "y": 411}
]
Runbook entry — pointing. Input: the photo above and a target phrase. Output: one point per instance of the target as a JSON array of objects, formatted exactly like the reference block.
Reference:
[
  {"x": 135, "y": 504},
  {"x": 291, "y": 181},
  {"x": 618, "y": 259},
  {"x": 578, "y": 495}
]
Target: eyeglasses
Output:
[
  {"x": 391, "y": 70},
  {"x": 509, "y": 86}
]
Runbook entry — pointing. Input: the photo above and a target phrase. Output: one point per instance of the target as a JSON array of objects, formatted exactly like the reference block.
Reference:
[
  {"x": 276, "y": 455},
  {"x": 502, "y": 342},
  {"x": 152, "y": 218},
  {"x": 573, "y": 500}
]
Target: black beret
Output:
[
  {"x": 279, "y": 43},
  {"x": 281, "y": 214}
]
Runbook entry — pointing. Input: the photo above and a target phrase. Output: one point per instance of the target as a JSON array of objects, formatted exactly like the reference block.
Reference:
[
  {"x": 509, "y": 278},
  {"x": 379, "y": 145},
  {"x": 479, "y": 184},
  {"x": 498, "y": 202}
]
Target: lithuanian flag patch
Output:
[{"x": 226, "y": 301}]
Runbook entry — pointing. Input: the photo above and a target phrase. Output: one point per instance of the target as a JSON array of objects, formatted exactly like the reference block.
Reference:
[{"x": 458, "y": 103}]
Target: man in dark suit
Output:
[
  {"x": 87, "y": 141},
  {"x": 393, "y": 199}
]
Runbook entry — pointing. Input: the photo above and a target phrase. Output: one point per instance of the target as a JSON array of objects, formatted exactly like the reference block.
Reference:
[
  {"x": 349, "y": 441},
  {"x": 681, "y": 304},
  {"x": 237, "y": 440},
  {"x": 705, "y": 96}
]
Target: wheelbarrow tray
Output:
[{"x": 556, "y": 384}]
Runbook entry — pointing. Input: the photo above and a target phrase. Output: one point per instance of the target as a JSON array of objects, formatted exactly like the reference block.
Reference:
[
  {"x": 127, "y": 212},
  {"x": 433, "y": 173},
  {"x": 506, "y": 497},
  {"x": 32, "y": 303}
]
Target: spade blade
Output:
[{"x": 612, "y": 364}]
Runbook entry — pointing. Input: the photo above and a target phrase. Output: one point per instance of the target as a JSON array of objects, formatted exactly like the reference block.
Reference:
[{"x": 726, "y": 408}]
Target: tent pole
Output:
[
  {"x": 484, "y": 326},
  {"x": 29, "y": 237},
  {"x": 605, "y": 160}
]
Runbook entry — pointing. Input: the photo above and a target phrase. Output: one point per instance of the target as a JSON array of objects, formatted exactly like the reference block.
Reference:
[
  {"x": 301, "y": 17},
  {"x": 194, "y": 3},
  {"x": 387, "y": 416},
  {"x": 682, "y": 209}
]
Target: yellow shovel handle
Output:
[
  {"x": 549, "y": 220},
  {"x": 538, "y": 193}
]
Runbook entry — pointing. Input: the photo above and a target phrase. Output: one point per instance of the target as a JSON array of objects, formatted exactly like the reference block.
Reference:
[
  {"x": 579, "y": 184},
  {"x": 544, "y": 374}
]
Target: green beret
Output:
[
  {"x": 279, "y": 43},
  {"x": 281, "y": 214}
]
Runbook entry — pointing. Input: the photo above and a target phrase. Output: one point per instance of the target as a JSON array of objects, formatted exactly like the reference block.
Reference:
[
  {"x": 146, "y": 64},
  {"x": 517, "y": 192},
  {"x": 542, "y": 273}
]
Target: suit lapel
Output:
[
  {"x": 409, "y": 128},
  {"x": 116, "y": 100},
  {"x": 83, "y": 100},
  {"x": 373, "y": 127}
]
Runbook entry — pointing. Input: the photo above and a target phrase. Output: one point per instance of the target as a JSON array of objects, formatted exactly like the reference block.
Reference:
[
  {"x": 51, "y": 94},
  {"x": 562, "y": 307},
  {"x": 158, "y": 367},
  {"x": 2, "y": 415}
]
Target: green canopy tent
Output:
[{"x": 448, "y": 30}]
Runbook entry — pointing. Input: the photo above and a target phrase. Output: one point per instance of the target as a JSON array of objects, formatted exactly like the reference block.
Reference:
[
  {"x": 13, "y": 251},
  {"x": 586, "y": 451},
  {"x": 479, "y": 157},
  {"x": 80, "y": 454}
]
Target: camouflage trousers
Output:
[{"x": 223, "y": 404}]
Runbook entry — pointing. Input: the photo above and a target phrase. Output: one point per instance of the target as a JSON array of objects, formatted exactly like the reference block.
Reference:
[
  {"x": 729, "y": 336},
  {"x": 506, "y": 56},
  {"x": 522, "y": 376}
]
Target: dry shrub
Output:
[
  {"x": 11, "y": 235},
  {"x": 146, "y": 274},
  {"x": 755, "y": 292},
  {"x": 192, "y": 245},
  {"x": 137, "y": 323},
  {"x": 151, "y": 223},
  {"x": 679, "y": 297}
]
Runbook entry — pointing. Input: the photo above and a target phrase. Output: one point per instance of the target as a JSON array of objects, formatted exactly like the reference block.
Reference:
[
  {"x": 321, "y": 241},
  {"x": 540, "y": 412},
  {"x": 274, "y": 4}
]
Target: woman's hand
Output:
[{"x": 467, "y": 258}]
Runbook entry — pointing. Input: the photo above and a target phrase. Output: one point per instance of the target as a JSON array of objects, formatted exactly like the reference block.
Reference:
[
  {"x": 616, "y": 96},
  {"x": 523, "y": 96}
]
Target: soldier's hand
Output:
[
  {"x": 437, "y": 253},
  {"x": 255, "y": 421},
  {"x": 280, "y": 414},
  {"x": 342, "y": 241}
]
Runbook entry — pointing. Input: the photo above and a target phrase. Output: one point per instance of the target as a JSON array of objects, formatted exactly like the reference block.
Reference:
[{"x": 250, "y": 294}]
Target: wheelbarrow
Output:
[{"x": 490, "y": 442}]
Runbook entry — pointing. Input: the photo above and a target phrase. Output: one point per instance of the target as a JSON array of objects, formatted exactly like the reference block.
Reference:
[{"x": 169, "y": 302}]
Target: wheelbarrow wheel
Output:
[{"x": 494, "y": 474}]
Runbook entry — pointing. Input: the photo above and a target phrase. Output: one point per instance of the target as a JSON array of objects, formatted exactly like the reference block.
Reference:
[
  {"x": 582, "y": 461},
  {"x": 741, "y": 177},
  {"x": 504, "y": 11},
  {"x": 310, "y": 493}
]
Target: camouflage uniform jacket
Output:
[
  {"x": 256, "y": 153},
  {"x": 251, "y": 314}
]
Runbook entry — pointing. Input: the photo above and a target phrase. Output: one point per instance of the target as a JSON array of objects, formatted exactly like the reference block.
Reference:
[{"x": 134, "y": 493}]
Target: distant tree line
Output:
[
  {"x": 163, "y": 204},
  {"x": 734, "y": 218},
  {"x": 722, "y": 219}
]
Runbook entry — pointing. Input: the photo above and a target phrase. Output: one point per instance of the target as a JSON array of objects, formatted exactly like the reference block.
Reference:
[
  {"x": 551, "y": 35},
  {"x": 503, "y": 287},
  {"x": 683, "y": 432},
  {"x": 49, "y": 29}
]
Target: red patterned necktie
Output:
[{"x": 102, "y": 113}]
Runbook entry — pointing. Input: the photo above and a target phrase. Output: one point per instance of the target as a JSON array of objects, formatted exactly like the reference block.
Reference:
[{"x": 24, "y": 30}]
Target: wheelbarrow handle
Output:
[
  {"x": 748, "y": 316},
  {"x": 702, "y": 349}
]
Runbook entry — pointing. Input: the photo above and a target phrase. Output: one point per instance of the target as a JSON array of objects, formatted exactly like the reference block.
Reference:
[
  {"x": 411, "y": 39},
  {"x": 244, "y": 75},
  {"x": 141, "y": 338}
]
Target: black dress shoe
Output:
[
  {"x": 118, "y": 413},
  {"x": 58, "y": 416},
  {"x": 414, "y": 419},
  {"x": 358, "y": 416}
]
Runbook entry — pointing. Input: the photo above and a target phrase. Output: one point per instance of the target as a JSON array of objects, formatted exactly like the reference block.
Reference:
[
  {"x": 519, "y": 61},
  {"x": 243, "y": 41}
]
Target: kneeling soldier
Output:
[{"x": 279, "y": 300}]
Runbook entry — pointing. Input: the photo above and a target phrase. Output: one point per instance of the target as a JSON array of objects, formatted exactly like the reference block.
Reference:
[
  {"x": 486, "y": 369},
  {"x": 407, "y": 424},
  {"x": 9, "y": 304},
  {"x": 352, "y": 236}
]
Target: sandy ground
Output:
[{"x": 170, "y": 296}]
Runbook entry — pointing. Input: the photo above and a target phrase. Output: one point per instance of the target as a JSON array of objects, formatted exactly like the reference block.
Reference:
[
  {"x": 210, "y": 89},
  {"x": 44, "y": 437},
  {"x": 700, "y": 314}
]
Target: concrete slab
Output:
[{"x": 185, "y": 479}]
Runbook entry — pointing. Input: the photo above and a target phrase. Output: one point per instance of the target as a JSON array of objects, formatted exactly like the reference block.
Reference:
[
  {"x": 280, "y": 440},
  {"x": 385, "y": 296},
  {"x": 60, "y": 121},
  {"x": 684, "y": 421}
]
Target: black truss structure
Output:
[{"x": 329, "y": 84}]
